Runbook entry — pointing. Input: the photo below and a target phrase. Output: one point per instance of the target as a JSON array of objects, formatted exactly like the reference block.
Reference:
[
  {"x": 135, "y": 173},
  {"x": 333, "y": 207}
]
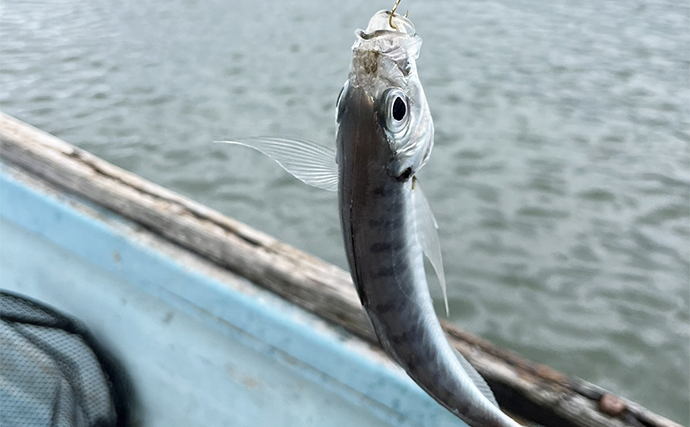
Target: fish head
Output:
[{"x": 383, "y": 79}]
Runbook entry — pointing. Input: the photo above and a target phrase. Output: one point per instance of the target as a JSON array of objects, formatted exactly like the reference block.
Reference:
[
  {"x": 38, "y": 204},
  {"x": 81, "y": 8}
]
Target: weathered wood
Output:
[{"x": 531, "y": 391}]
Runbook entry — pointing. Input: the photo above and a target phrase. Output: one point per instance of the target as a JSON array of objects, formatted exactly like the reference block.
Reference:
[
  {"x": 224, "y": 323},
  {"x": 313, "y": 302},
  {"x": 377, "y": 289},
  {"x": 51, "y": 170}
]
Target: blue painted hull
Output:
[{"x": 201, "y": 346}]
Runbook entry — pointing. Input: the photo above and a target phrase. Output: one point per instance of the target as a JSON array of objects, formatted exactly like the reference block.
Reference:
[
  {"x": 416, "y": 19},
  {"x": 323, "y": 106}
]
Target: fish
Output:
[{"x": 385, "y": 135}]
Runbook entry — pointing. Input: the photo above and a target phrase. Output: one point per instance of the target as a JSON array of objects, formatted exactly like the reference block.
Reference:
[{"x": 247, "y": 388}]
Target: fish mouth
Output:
[
  {"x": 381, "y": 36},
  {"x": 383, "y": 54},
  {"x": 380, "y": 24}
]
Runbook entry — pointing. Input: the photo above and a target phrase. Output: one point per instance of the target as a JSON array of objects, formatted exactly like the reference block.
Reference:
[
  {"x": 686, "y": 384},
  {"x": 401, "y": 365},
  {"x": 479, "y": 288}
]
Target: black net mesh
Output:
[{"x": 52, "y": 372}]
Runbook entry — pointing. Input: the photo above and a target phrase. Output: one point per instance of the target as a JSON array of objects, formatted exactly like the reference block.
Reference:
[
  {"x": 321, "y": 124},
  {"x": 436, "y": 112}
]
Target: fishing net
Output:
[{"x": 52, "y": 371}]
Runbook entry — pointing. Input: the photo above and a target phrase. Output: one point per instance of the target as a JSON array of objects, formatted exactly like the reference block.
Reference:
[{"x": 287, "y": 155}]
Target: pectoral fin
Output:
[
  {"x": 309, "y": 162},
  {"x": 427, "y": 235}
]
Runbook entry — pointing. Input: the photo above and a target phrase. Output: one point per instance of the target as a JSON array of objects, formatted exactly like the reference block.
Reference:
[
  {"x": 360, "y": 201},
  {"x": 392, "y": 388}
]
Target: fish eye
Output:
[
  {"x": 396, "y": 111},
  {"x": 399, "y": 109}
]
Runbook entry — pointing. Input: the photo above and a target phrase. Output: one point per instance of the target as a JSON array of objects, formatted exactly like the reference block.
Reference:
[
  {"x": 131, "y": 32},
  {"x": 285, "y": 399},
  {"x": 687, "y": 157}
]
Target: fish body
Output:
[
  {"x": 379, "y": 218},
  {"x": 384, "y": 137}
]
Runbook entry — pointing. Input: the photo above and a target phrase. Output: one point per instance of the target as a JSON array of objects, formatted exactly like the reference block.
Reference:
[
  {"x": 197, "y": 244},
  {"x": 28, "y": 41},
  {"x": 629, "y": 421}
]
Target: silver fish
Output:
[{"x": 384, "y": 137}]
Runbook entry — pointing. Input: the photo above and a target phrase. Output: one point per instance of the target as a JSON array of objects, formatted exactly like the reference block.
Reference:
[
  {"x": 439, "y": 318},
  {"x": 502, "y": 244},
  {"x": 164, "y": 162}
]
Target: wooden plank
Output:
[{"x": 531, "y": 391}]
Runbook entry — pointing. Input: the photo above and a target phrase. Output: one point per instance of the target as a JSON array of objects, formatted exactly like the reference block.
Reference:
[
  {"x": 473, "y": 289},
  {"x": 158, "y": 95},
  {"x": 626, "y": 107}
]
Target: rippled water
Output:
[{"x": 560, "y": 177}]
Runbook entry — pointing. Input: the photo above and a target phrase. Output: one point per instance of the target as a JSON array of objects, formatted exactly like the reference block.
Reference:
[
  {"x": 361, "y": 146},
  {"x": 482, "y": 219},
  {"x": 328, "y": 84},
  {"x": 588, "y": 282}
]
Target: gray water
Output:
[{"x": 560, "y": 177}]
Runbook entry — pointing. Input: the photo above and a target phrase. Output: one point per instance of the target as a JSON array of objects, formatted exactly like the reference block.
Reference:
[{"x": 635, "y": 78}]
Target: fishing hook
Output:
[{"x": 390, "y": 18}]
